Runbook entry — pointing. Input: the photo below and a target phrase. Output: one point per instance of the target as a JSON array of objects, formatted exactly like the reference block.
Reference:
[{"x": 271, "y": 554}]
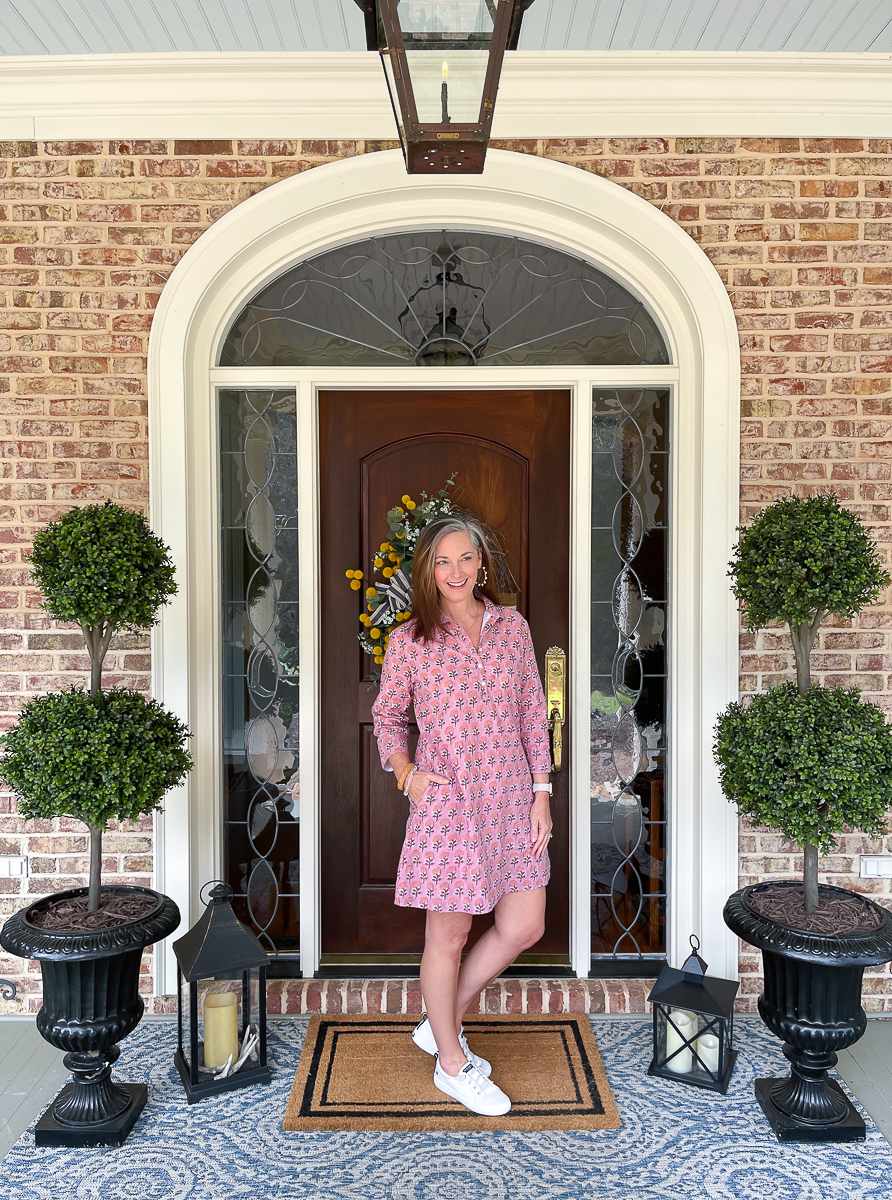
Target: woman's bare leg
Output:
[
  {"x": 519, "y": 924},
  {"x": 444, "y": 939}
]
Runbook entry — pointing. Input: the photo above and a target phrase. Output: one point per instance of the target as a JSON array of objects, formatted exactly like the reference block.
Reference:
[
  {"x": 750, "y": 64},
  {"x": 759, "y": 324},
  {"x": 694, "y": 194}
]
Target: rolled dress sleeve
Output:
[
  {"x": 533, "y": 708},
  {"x": 390, "y": 712}
]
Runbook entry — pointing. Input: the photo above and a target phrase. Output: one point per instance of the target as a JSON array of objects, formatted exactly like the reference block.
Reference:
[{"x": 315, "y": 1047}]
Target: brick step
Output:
[{"x": 404, "y": 996}]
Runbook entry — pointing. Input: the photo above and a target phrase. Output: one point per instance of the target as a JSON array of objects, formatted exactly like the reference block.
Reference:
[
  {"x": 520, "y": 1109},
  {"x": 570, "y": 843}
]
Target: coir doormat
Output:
[{"x": 366, "y": 1073}]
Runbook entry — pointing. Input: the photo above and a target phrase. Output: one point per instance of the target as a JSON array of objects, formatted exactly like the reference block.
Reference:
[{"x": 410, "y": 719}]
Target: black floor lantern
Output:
[
  {"x": 693, "y": 1025},
  {"x": 230, "y": 1049}
]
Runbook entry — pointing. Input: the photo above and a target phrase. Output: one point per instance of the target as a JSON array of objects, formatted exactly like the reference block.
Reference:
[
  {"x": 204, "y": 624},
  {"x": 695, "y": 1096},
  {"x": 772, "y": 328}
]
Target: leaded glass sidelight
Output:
[
  {"x": 258, "y": 468},
  {"x": 443, "y": 298},
  {"x": 629, "y": 621}
]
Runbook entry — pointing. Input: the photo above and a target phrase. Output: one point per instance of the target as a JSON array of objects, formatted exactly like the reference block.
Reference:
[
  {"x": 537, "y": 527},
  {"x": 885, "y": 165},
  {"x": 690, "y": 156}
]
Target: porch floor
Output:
[{"x": 31, "y": 1072}]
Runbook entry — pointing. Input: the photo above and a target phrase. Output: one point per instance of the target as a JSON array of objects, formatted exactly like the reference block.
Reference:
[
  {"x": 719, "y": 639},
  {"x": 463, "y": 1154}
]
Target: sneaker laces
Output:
[{"x": 474, "y": 1078}]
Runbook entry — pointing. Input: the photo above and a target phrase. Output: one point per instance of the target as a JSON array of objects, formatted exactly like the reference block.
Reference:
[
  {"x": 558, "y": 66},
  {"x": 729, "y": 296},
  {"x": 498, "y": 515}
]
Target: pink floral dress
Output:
[{"x": 482, "y": 719}]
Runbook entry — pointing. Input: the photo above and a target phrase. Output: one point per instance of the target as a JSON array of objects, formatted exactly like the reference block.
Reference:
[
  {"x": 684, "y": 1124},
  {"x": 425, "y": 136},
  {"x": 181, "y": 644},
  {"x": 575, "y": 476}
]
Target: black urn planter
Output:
[
  {"x": 812, "y": 1001},
  {"x": 91, "y": 1001}
]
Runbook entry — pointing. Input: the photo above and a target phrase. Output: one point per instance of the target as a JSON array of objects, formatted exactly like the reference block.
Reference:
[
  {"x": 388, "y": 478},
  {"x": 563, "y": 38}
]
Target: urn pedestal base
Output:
[
  {"x": 91, "y": 1002},
  {"x": 812, "y": 1002},
  {"x": 793, "y": 1129},
  {"x": 50, "y": 1132}
]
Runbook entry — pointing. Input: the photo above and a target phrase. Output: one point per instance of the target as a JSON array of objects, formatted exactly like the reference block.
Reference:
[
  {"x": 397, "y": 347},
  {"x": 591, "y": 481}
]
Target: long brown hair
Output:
[{"x": 426, "y": 615}]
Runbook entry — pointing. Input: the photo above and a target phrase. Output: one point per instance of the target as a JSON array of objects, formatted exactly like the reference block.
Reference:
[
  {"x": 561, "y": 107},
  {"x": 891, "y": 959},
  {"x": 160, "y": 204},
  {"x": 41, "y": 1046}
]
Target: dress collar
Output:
[{"x": 492, "y": 613}]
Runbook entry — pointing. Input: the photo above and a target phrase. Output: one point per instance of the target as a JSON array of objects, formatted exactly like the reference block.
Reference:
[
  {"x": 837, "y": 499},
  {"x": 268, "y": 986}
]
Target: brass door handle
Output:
[{"x": 555, "y": 687}]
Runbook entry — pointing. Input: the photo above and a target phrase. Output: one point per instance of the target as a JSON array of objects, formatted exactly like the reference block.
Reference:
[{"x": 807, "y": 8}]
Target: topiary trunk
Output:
[
  {"x": 803, "y": 637},
  {"x": 97, "y": 640},
  {"x": 95, "y": 877}
]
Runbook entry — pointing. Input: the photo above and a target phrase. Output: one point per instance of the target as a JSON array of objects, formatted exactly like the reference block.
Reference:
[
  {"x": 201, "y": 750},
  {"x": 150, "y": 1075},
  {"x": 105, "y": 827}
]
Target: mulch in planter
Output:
[
  {"x": 71, "y": 915},
  {"x": 834, "y": 915}
]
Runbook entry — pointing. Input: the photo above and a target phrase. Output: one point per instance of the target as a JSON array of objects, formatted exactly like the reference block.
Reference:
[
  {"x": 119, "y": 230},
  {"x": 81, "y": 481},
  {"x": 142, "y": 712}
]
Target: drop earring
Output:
[{"x": 482, "y": 582}]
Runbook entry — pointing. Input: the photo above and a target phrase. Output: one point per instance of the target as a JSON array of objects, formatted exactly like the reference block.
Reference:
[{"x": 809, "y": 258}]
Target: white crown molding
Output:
[{"x": 543, "y": 94}]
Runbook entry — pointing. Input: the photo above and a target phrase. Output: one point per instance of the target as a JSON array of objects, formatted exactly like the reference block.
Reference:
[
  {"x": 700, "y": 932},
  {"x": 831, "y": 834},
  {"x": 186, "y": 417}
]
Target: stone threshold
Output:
[{"x": 533, "y": 995}]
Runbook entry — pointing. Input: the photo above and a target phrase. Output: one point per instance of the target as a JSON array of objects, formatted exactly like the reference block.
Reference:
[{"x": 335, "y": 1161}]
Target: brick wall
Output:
[{"x": 800, "y": 231}]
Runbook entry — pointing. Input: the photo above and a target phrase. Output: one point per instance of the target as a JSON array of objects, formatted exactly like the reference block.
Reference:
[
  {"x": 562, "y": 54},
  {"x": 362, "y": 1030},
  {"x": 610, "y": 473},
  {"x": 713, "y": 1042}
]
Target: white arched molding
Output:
[{"x": 533, "y": 198}]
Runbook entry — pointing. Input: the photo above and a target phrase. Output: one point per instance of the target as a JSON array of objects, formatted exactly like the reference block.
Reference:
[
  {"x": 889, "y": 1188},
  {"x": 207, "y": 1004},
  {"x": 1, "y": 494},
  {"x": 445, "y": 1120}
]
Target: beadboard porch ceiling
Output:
[{"x": 58, "y": 27}]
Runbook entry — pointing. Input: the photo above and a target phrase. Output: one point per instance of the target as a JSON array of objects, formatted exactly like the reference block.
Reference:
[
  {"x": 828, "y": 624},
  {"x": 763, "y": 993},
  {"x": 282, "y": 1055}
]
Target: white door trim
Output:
[{"x": 535, "y": 198}]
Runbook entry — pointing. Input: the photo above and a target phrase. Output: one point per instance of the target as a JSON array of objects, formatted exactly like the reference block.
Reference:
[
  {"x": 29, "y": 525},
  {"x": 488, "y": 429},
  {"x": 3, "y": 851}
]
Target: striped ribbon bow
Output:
[{"x": 397, "y": 594}]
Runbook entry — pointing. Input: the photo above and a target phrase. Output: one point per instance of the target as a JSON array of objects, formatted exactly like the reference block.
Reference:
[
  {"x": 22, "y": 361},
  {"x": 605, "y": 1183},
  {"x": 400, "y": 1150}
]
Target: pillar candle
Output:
[
  {"x": 221, "y": 1028},
  {"x": 683, "y": 1061},
  {"x": 708, "y": 1049}
]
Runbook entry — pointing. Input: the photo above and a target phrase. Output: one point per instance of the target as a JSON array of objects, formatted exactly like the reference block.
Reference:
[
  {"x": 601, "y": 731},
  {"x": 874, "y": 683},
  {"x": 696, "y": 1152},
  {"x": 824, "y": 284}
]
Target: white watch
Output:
[{"x": 542, "y": 787}]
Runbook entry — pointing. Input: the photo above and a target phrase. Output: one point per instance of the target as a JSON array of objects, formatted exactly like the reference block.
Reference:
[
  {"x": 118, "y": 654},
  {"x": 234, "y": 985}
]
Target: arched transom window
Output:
[{"x": 443, "y": 298}]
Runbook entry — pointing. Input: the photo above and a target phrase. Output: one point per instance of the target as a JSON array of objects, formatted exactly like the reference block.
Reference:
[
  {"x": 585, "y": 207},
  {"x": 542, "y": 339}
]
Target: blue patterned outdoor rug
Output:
[{"x": 676, "y": 1143}]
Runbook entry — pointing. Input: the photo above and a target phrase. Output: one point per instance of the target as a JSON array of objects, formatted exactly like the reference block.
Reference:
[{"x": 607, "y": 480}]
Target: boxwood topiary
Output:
[
  {"x": 807, "y": 765},
  {"x": 102, "y": 567},
  {"x": 800, "y": 560},
  {"x": 96, "y": 755},
  {"x": 806, "y": 760}
]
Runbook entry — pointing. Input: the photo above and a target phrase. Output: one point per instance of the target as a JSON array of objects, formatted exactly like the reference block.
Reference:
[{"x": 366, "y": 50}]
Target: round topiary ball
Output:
[
  {"x": 808, "y": 765},
  {"x": 96, "y": 757},
  {"x": 102, "y": 565},
  {"x": 804, "y": 556}
]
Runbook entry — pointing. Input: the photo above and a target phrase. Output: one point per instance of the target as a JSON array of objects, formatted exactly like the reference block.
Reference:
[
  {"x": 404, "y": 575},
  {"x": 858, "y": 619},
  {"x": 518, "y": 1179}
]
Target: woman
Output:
[{"x": 479, "y": 817}]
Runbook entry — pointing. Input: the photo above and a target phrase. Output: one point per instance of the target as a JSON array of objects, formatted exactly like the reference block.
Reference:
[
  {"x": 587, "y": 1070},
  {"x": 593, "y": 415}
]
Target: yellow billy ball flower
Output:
[
  {"x": 355, "y": 584},
  {"x": 394, "y": 557},
  {"x": 410, "y": 504},
  {"x": 379, "y": 562},
  {"x": 374, "y": 634},
  {"x": 349, "y": 574},
  {"x": 405, "y": 499},
  {"x": 357, "y": 574},
  {"x": 364, "y": 620},
  {"x": 387, "y": 572},
  {"x": 370, "y": 591},
  {"x": 385, "y": 546}
]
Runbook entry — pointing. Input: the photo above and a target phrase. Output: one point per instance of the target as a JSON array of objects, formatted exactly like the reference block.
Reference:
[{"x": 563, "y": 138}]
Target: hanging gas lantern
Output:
[
  {"x": 442, "y": 61},
  {"x": 225, "y": 1043},
  {"x": 693, "y": 1025}
]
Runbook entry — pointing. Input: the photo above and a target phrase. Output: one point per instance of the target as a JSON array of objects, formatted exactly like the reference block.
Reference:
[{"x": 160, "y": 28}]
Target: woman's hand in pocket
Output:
[{"x": 421, "y": 781}]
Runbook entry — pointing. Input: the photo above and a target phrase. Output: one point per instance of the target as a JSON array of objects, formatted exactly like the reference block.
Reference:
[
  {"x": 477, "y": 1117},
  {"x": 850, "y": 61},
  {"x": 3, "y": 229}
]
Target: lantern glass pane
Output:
[
  {"x": 448, "y": 87},
  {"x": 439, "y": 17}
]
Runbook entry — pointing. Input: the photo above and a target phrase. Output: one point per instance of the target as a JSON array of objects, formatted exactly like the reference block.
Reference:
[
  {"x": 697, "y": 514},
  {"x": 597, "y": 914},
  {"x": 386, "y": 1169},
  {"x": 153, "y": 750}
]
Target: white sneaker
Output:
[
  {"x": 423, "y": 1037},
  {"x": 471, "y": 1088}
]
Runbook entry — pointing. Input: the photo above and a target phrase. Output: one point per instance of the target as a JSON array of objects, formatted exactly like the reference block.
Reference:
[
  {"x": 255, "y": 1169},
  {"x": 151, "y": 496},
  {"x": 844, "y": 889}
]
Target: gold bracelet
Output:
[{"x": 401, "y": 781}]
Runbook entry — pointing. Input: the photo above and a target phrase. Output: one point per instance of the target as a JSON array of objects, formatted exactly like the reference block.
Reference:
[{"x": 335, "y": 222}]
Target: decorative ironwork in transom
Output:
[{"x": 443, "y": 298}]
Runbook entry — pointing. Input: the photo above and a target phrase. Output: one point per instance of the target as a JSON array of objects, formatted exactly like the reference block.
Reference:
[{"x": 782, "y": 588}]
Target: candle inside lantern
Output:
[
  {"x": 220, "y": 1028},
  {"x": 444, "y": 96},
  {"x": 707, "y": 1046},
  {"x": 676, "y": 1035}
]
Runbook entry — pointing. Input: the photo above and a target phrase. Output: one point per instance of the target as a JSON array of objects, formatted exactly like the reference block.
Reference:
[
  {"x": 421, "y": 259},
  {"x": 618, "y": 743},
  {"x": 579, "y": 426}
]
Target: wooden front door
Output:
[{"x": 511, "y": 452}]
